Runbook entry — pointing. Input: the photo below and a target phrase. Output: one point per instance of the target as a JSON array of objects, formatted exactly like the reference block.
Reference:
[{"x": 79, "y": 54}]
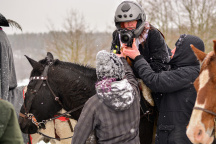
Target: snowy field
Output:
[{"x": 23, "y": 82}]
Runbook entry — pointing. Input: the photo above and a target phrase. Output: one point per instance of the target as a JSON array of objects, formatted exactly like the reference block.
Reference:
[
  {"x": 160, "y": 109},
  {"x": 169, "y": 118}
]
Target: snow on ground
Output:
[{"x": 23, "y": 82}]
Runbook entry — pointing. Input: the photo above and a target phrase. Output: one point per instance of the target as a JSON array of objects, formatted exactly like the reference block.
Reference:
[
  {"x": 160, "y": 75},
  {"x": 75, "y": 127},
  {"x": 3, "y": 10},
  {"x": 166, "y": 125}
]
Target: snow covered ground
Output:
[{"x": 23, "y": 82}]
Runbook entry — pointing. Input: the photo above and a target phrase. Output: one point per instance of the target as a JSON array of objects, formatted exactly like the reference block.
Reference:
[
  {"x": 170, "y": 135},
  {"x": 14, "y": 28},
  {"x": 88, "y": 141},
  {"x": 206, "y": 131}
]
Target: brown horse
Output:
[{"x": 202, "y": 122}]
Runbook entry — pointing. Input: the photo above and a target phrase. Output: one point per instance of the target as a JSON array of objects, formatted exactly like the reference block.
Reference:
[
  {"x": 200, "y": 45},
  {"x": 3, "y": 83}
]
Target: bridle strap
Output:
[
  {"x": 45, "y": 121},
  {"x": 40, "y": 80},
  {"x": 68, "y": 112},
  {"x": 73, "y": 110},
  {"x": 37, "y": 87},
  {"x": 209, "y": 112},
  {"x": 205, "y": 110},
  {"x": 56, "y": 98},
  {"x": 44, "y": 76},
  {"x": 22, "y": 115},
  {"x": 53, "y": 137}
]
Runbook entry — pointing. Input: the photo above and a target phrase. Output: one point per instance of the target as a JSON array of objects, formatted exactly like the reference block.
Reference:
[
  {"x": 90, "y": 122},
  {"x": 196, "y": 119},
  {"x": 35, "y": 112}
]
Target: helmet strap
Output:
[{"x": 138, "y": 30}]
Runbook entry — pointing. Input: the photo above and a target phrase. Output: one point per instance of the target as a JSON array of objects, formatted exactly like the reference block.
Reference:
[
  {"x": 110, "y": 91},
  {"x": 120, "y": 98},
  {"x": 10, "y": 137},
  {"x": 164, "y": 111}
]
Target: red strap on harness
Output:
[
  {"x": 30, "y": 139},
  {"x": 23, "y": 93},
  {"x": 62, "y": 118}
]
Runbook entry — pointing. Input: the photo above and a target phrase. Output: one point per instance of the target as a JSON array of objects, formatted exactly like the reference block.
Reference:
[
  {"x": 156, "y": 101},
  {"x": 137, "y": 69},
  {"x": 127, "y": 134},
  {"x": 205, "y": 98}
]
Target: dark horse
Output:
[{"x": 54, "y": 85}]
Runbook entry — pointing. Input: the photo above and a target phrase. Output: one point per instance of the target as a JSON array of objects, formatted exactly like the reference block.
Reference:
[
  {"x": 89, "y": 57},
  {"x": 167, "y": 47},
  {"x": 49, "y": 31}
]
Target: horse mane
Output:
[{"x": 85, "y": 70}]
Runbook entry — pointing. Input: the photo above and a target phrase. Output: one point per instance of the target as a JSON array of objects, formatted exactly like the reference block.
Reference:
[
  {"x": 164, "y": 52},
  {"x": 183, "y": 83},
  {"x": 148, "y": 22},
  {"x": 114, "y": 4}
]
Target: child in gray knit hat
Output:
[
  {"x": 111, "y": 88},
  {"x": 109, "y": 65},
  {"x": 114, "y": 112}
]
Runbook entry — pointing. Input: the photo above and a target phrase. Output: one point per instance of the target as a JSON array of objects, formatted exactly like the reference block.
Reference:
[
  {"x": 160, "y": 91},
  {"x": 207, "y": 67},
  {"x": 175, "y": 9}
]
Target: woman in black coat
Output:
[
  {"x": 179, "y": 97},
  {"x": 130, "y": 19}
]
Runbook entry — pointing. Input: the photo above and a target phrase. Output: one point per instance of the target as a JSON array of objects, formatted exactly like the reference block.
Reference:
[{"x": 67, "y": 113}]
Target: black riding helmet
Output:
[{"x": 130, "y": 11}]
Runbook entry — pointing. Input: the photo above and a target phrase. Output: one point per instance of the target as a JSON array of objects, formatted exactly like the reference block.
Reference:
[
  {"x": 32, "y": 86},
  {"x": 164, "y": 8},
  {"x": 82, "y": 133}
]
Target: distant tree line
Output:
[
  {"x": 36, "y": 45},
  {"x": 80, "y": 44}
]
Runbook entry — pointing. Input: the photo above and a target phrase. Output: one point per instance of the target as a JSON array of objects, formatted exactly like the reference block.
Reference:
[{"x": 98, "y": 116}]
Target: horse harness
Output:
[
  {"x": 209, "y": 112},
  {"x": 41, "y": 125}
]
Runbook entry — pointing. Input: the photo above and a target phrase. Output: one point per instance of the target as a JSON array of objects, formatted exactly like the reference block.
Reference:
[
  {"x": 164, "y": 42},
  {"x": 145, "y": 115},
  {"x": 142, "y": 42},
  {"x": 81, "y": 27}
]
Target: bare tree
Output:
[
  {"x": 175, "y": 17},
  {"x": 75, "y": 43}
]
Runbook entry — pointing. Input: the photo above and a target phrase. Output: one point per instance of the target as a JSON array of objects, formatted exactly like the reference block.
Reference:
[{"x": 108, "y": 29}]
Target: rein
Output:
[
  {"x": 205, "y": 110},
  {"x": 73, "y": 110},
  {"x": 209, "y": 112},
  {"x": 53, "y": 137}
]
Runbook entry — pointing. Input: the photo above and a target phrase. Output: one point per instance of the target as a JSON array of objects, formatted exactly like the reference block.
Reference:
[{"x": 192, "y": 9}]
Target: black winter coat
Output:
[
  {"x": 177, "y": 104},
  {"x": 154, "y": 49}
]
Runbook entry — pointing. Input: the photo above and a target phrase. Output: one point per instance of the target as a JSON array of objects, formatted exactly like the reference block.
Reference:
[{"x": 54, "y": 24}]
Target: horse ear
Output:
[
  {"x": 199, "y": 54},
  {"x": 50, "y": 56},
  {"x": 33, "y": 63},
  {"x": 214, "y": 41}
]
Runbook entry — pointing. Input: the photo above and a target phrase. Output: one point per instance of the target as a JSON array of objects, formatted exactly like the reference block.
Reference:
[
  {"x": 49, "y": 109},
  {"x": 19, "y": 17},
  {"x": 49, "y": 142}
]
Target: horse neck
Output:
[{"x": 78, "y": 85}]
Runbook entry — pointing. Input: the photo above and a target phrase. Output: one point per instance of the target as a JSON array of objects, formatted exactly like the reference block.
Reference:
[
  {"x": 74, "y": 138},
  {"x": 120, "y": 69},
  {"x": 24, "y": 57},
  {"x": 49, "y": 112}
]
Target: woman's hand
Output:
[
  {"x": 121, "y": 55},
  {"x": 131, "y": 52}
]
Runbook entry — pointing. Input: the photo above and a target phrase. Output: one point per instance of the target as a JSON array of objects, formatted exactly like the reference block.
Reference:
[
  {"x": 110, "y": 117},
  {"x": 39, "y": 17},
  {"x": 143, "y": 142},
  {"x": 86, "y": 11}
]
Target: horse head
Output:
[
  {"x": 39, "y": 103},
  {"x": 202, "y": 121},
  {"x": 54, "y": 85}
]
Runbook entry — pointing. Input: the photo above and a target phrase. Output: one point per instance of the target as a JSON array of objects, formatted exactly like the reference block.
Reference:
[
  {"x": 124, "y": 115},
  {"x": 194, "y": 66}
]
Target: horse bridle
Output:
[
  {"x": 209, "y": 112},
  {"x": 40, "y": 79}
]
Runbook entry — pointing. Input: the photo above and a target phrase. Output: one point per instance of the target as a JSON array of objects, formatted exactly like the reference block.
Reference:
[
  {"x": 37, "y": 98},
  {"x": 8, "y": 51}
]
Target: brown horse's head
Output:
[{"x": 201, "y": 125}]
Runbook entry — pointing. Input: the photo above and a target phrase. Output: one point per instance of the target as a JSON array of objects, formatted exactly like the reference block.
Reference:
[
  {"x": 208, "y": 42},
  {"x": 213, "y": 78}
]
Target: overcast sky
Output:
[{"x": 34, "y": 15}]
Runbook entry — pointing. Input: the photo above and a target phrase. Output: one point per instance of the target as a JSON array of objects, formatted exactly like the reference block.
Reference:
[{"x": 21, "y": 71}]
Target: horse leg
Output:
[{"x": 146, "y": 131}]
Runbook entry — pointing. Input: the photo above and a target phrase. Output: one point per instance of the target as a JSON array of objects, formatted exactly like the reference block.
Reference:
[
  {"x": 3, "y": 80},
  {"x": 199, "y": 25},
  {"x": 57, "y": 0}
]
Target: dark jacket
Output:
[
  {"x": 111, "y": 125},
  {"x": 10, "y": 132},
  {"x": 177, "y": 84},
  {"x": 154, "y": 49}
]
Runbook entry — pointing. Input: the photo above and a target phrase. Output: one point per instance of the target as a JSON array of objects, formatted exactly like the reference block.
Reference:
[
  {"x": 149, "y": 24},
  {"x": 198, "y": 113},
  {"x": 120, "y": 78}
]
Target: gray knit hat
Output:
[{"x": 108, "y": 65}]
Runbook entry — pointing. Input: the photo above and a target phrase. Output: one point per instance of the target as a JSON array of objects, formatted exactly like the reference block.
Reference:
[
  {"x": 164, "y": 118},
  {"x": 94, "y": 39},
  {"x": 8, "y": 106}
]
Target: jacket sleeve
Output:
[
  {"x": 158, "y": 51},
  {"x": 165, "y": 81},
  {"x": 9, "y": 130},
  {"x": 86, "y": 122},
  {"x": 130, "y": 75}
]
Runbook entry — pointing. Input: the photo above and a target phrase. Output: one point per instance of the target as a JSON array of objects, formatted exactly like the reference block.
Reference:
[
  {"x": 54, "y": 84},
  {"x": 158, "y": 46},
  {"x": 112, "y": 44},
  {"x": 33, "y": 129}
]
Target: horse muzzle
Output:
[
  {"x": 26, "y": 124},
  {"x": 198, "y": 135}
]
